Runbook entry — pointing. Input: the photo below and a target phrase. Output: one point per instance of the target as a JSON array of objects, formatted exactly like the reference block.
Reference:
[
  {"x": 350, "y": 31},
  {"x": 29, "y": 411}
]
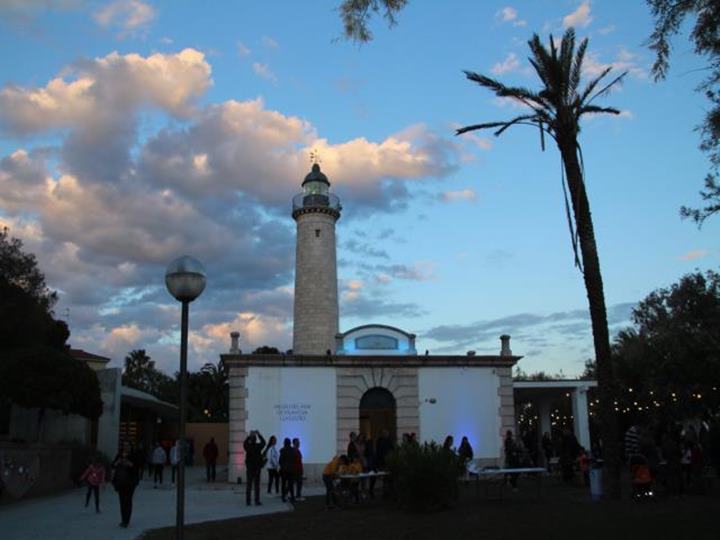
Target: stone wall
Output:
[
  {"x": 353, "y": 382},
  {"x": 237, "y": 417},
  {"x": 507, "y": 404},
  {"x": 315, "y": 322}
]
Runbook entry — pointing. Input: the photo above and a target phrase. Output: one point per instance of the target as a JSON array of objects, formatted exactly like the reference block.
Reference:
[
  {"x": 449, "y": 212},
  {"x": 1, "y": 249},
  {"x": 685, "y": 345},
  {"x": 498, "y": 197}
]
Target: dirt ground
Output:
[{"x": 561, "y": 512}]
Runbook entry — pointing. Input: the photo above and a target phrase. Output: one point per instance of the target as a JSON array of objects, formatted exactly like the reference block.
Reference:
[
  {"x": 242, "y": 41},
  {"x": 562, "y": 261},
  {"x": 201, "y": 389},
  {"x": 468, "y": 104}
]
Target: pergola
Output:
[{"x": 543, "y": 393}]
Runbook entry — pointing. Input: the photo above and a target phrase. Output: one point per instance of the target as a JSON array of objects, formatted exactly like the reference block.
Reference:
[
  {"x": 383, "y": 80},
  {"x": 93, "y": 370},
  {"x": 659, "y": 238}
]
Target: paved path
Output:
[{"x": 65, "y": 517}]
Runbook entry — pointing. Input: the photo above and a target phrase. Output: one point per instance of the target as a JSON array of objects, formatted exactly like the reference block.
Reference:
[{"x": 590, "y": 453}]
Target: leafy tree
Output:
[
  {"x": 25, "y": 301},
  {"x": 266, "y": 350},
  {"x": 46, "y": 378},
  {"x": 356, "y": 15},
  {"x": 672, "y": 354},
  {"x": 140, "y": 373},
  {"x": 705, "y": 35},
  {"x": 556, "y": 110},
  {"x": 209, "y": 394},
  {"x": 20, "y": 269}
]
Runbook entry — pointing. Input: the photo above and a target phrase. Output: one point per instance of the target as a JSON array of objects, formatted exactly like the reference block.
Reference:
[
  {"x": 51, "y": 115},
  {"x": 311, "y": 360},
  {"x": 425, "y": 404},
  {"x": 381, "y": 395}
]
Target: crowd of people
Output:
[{"x": 129, "y": 468}]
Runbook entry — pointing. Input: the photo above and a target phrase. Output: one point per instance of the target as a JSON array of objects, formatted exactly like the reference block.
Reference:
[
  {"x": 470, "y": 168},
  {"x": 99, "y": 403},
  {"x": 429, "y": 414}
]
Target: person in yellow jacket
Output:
[
  {"x": 353, "y": 467},
  {"x": 331, "y": 471}
]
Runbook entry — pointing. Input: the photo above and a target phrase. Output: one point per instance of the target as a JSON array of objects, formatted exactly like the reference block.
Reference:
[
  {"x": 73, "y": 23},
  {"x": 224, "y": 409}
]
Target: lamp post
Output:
[{"x": 185, "y": 280}]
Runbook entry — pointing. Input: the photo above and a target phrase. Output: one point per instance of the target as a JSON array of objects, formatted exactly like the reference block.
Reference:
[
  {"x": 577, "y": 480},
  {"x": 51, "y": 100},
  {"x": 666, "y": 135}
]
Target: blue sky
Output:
[{"x": 134, "y": 131}]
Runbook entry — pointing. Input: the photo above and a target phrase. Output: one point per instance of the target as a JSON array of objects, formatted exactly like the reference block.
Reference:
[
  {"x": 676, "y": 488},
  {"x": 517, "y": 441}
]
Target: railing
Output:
[{"x": 330, "y": 201}]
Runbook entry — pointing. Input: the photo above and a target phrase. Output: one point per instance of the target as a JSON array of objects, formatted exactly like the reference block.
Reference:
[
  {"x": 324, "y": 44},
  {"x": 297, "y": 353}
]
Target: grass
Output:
[{"x": 563, "y": 512}]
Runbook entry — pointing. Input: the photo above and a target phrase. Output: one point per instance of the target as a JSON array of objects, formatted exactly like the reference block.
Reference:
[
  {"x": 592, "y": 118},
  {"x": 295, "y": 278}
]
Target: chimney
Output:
[
  {"x": 505, "y": 345},
  {"x": 234, "y": 347}
]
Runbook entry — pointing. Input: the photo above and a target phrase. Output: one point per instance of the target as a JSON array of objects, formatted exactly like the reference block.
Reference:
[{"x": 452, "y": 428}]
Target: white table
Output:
[{"x": 537, "y": 472}]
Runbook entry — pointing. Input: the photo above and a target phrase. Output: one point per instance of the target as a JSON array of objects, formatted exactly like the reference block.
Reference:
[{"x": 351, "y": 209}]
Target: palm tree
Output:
[{"x": 556, "y": 110}]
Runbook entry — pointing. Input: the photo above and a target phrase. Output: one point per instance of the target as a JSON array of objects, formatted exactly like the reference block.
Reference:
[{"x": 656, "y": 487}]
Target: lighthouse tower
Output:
[{"x": 315, "y": 211}]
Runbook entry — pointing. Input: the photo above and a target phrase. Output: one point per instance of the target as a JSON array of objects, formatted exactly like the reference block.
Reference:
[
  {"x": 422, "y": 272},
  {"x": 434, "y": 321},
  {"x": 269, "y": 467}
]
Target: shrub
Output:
[{"x": 424, "y": 477}]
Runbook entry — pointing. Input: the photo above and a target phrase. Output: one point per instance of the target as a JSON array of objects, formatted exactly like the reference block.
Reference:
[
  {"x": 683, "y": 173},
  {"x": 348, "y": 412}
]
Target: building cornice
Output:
[{"x": 283, "y": 360}]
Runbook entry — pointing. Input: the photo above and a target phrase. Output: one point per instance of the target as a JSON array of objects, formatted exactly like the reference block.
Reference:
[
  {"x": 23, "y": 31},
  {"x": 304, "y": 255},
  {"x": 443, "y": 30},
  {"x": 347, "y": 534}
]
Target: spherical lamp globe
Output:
[{"x": 185, "y": 278}]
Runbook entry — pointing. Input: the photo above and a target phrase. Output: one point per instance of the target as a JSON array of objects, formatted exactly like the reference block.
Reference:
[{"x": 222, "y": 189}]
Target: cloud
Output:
[
  {"x": 110, "y": 207},
  {"x": 264, "y": 72},
  {"x": 420, "y": 271},
  {"x": 466, "y": 194},
  {"x": 624, "y": 61},
  {"x": 511, "y": 63},
  {"x": 510, "y": 14},
  {"x": 269, "y": 42},
  {"x": 580, "y": 17},
  {"x": 694, "y": 255},
  {"x": 606, "y": 30},
  {"x": 527, "y": 329},
  {"x": 243, "y": 50},
  {"x": 130, "y": 16},
  {"x": 364, "y": 249}
]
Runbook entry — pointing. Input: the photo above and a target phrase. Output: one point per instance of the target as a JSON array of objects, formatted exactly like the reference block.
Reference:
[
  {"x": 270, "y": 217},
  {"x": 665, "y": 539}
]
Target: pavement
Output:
[{"x": 65, "y": 516}]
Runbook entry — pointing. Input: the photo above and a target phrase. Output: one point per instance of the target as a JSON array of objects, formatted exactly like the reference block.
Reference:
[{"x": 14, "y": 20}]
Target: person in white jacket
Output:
[
  {"x": 273, "y": 465},
  {"x": 175, "y": 454},
  {"x": 159, "y": 457}
]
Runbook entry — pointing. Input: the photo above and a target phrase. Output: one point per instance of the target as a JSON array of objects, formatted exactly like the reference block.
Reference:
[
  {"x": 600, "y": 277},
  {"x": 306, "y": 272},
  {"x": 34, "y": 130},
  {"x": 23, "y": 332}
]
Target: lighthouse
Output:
[{"x": 315, "y": 212}]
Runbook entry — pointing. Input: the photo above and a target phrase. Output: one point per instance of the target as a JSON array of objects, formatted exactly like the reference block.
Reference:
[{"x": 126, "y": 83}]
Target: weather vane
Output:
[{"x": 314, "y": 156}]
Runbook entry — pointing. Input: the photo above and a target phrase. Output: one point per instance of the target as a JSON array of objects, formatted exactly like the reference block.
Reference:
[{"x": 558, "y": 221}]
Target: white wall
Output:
[
  {"x": 466, "y": 404},
  {"x": 295, "y": 402}
]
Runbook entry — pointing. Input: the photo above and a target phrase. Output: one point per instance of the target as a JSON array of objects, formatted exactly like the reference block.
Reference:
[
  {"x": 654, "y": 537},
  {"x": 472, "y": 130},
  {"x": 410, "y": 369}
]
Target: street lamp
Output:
[{"x": 185, "y": 280}]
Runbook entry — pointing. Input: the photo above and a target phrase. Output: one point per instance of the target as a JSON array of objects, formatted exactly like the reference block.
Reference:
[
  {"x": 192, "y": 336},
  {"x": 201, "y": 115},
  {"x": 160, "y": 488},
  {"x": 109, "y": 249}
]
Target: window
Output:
[{"x": 376, "y": 342}]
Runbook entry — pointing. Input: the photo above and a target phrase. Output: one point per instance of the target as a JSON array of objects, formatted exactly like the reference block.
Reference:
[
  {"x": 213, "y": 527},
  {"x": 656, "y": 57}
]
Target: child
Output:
[
  {"x": 641, "y": 477},
  {"x": 584, "y": 463},
  {"x": 94, "y": 475}
]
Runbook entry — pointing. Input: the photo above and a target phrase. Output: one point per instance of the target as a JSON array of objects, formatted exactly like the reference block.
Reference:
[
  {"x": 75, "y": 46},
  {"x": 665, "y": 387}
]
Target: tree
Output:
[
  {"x": 356, "y": 15},
  {"x": 140, "y": 373},
  {"x": 209, "y": 393},
  {"x": 556, "y": 110},
  {"x": 46, "y": 378},
  {"x": 266, "y": 350},
  {"x": 669, "y": 16},
  {"x": 25, "y": 301},
  {"x": 672, "y": 353},
  {"x": 20, "y": 269}
]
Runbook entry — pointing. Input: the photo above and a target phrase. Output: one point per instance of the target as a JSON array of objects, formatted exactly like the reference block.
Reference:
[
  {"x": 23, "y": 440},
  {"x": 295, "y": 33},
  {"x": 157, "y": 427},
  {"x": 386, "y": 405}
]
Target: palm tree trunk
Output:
[{"x": 598, "y": 315}]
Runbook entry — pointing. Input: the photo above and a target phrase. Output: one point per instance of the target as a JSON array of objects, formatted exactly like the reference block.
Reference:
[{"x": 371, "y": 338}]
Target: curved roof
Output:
[
  {"x": 316, "y": 175},
  {"x": 385, "y": 326}
]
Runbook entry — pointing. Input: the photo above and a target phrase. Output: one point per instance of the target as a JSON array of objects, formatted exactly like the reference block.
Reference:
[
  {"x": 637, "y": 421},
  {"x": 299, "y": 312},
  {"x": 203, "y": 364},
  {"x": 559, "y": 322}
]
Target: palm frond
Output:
[
  {"x": 594, "y": 109},
  {"x": 607, "y": 87},
  {"x": 577, "y": 66},
  {"x": 591, "y": 86}
]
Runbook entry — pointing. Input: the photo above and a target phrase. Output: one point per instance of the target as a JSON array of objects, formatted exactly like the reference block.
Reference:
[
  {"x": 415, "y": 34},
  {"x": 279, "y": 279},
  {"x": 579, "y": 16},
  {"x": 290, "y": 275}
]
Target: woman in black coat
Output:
[{"x": 124, "y": 480}]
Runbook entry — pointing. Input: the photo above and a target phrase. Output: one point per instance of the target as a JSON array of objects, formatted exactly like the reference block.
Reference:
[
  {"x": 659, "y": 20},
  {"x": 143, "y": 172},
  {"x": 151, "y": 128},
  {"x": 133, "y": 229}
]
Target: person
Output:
[
  {"x": 352, "y": 467},
  {"x": 159, "y": 458},
  {"x": 94, "y": 475},
  {"x": 568, "y": 454},
  {"x": 511, "y": 457},
  {"x": 253, "y": 445},
  {"x": 448, "y": 444},
  {"x": 286, "y": 460},
  {"x": 138, "y": 458},
  {"x": 672, "y": 454},
  {"x": 370, "y": 465},
  {"x": 584, "y": 465},
  {"x": 297, "y": 469},
  {"x": 175, "y": 459},
  {"x": 383, "y": 447},
  {"x": 210, "y": 455},
  {"x": 124, "y": 481},
  {"x": 330, "y": 471},
  {"x": 465, "y": 451},
  {"x": 352, "y": 450},
  {"x": 632, "y": 441},
  {"x": 273, "y": 465}
]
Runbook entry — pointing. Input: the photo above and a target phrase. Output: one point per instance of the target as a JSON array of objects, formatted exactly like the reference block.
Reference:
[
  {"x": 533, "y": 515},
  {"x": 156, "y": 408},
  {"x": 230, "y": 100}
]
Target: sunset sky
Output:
[{"x": 132, "y": 132}]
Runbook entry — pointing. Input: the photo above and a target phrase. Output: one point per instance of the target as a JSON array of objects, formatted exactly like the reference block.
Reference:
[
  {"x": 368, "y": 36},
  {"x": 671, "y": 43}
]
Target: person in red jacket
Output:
[
  {"x": 94, "y": 475},
  {"x": 297, "y": 469},
  {"x": 210, "y": 454}
]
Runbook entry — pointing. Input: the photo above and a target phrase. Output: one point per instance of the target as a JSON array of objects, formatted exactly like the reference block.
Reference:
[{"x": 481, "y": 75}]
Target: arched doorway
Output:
[{"x": 377, "y": 412}]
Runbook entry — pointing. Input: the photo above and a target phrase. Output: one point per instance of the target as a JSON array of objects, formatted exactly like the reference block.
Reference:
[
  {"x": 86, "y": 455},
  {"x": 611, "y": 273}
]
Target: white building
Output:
[{"x": 366, "y": 379}]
